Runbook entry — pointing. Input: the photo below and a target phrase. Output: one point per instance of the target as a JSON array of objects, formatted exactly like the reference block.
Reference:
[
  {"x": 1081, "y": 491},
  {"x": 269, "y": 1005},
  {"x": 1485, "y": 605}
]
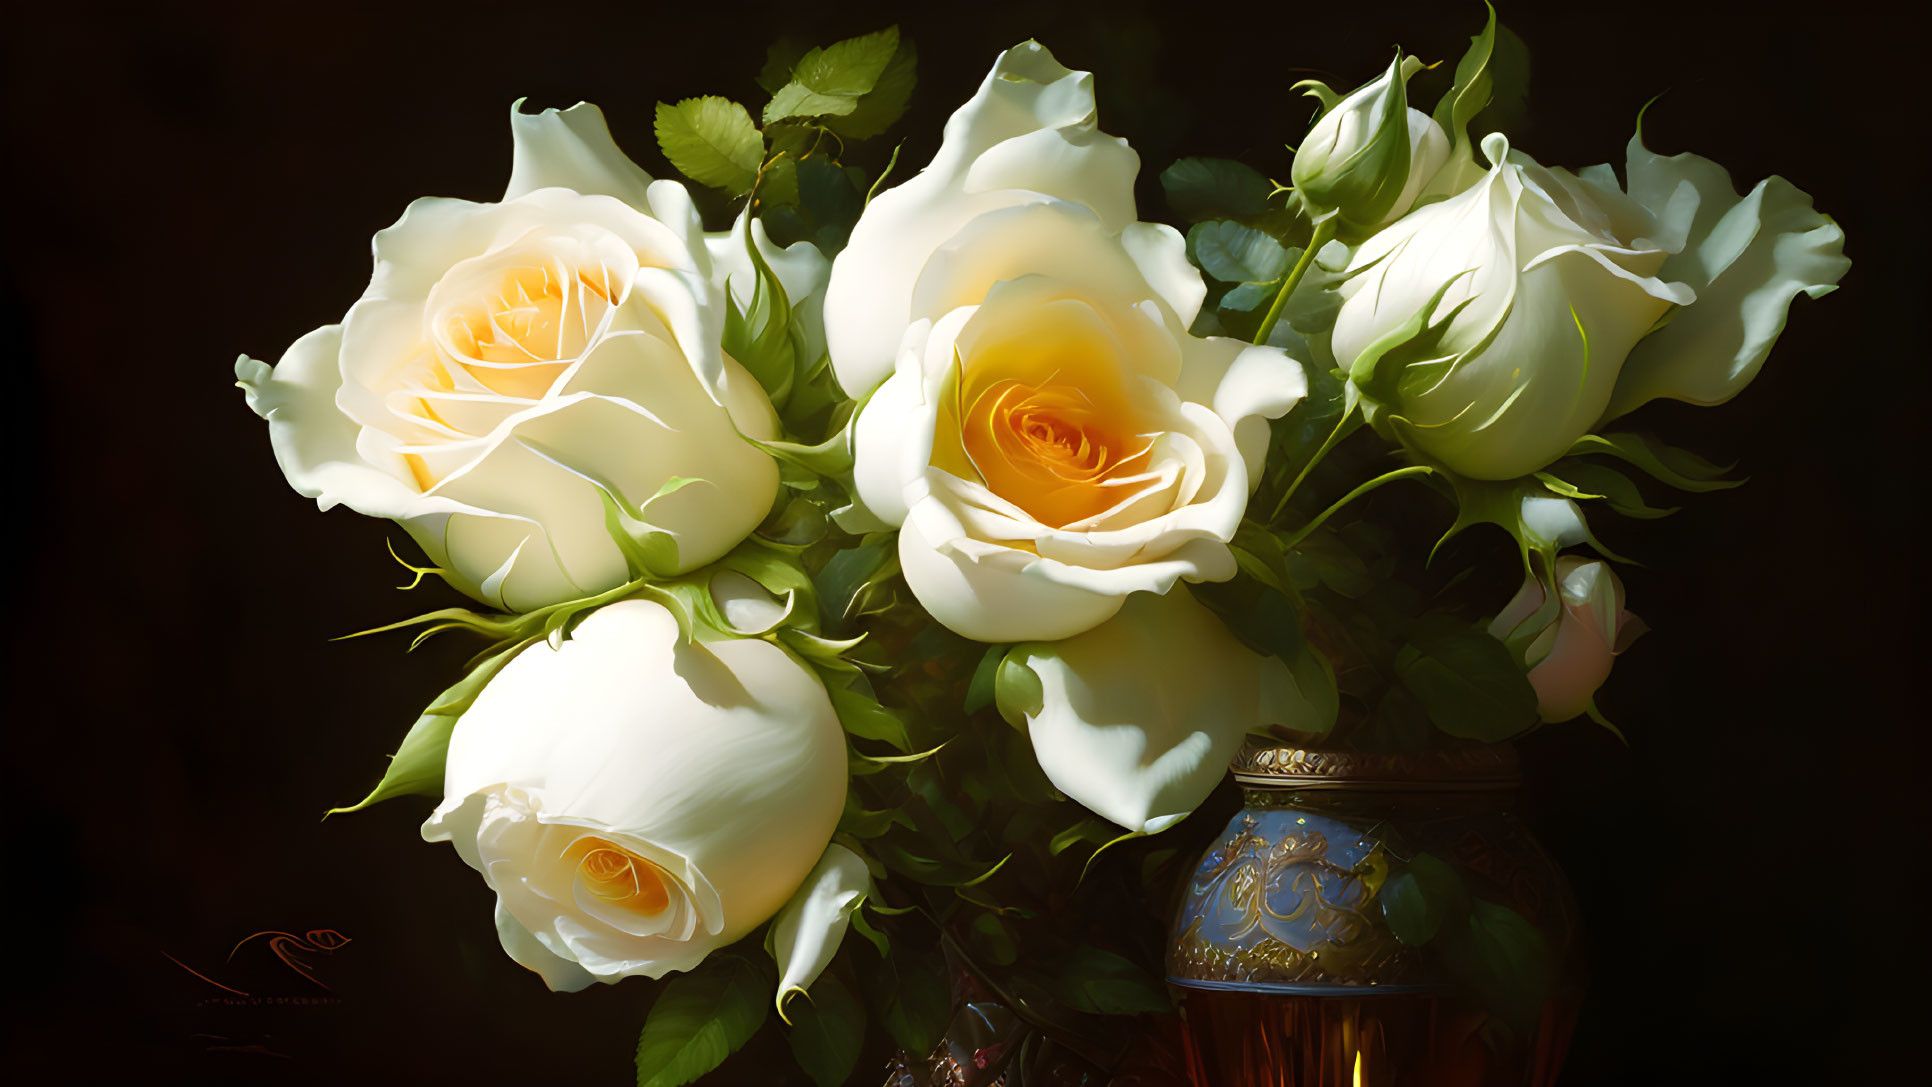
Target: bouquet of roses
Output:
[{"x": 858, "y": 586}]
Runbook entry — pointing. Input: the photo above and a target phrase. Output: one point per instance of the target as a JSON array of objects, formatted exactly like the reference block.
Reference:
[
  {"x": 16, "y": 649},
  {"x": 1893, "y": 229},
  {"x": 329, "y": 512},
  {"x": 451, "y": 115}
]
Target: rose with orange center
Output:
[
  {"x": 1049, "y": 437},
  {"x": 516, "y": 368},
  {"x": 636, "y": 801}
]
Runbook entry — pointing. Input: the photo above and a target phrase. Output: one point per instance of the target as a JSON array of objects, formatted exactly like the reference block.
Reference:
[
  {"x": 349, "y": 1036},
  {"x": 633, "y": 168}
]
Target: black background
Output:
[{"x": 188, "y": 183}]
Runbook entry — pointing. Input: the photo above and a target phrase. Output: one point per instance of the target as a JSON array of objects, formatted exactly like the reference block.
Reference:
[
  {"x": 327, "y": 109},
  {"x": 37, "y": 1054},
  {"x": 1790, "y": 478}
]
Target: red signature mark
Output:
[{"x": 287, "y": 947}]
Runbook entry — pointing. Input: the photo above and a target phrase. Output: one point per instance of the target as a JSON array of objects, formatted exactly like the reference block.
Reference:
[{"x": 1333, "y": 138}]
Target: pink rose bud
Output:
[{"x": 1571, "y": 657}]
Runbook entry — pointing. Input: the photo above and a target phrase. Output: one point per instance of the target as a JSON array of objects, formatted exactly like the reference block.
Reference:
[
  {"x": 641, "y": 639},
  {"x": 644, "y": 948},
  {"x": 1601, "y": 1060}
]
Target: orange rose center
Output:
[
  {"x": 618, "y": 875},
  {"x": 1050, "y": 449}
]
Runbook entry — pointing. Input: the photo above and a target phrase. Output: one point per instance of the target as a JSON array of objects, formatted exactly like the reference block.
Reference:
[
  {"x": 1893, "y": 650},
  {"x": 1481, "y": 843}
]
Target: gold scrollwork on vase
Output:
[{"x": 1288, "y": 899}]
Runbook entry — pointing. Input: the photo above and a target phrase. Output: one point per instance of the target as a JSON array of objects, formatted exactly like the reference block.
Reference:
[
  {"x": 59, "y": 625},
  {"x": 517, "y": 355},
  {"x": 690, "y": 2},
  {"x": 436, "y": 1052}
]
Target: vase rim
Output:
[{"x": 1283, "y": 766}]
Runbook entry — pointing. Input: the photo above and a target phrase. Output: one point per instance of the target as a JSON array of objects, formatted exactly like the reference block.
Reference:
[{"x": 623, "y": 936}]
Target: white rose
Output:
[
  {"x": 1370, "y": 155},
  {"x": 636, "y": 802},
  {"x": 1493, "y": 329},
  {"x": 511, "y": 363},
  {"x": 1138, "y": 717},
  {"x": 1051, "y": 439},
  {"x": 1571, "y": 656}
]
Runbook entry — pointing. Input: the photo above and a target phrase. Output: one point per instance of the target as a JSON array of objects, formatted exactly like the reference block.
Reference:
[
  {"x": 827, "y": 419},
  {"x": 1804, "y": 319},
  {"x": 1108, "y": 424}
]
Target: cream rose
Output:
[
  {"x": 1493, "y": 329},
  {"x": 512, "y": 364},
  {"x": 1050, "y": 439},
  {"x": 1571, "y": 656},
  {"x": 636, "y": 802}
]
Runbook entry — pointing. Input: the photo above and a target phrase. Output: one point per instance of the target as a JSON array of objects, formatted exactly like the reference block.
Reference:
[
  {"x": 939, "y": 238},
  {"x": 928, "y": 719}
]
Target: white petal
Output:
[
  {"x": 1161, "y": 253},
  {"x": 1246, "y": 385},
  {"x": 997, "y": 594},
  {"x": 1746, "y": 258},
  {"x": 1141, "y": 714},
  {"x": 314, "y": 443},
  {"x": 887, "y": 446},
  {"x": 1058, "y": 151},
  {"x": 807, "y": 932},
  {"x": 571, "y": 149},
  {"x": 560, "y": 974}
]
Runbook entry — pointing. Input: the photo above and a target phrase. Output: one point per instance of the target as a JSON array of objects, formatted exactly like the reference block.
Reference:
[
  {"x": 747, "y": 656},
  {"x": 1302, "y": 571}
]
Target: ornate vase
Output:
[{"x": 1375, "y": 920}]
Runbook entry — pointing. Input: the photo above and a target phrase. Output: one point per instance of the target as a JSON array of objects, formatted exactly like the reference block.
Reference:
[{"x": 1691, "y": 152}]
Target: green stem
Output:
[
  {"x": 1343, "y": 428},
  {"x": 1324, "y": 230},
  {"x": 1386, "y": 477}
]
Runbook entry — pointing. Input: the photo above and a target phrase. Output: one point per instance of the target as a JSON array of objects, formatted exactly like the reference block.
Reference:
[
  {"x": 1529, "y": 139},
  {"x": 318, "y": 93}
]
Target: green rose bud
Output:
[{"x": 1365, "y": 162}]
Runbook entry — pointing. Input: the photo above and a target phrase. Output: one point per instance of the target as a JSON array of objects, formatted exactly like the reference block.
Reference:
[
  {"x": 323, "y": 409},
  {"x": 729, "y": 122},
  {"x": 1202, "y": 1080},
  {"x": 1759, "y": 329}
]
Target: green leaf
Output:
[
  {"x": 826, "y": 1032},
  {"x": 883, "y": 105},
  {"x": 831, "y": 80},
  {"x": 1234, "y": 253},
  {"x": 1016, "y": 690},
  {"x": 979, "y": 692},
  {"x": 1469, "y": 683},
  {"x": 780, "y": 59},
  {"x": 702, "y": 1017},
  {"x": 1603, "y": 482},
  {"x": 1474, "y": 80},
  {"x": 712, "y": 141},
  {"x": 759, "y": 336},
  {"x": 991, "y": 941},
  {"x": 1103, "y": 983},
  {"x": 908, "y": 993},
  {"x": 1665, "y": 463},
  {"x": 417, "y": 766},
  {"x": 1503, "y": 960},
  {"x": 1211, "y": 188},
  {"x": 1090, "y": 830},
  {"x": 853, "y": 580},
  {"x": 863, "y": 716},
  {"x": 860, "y": 764},
  {"x": 1422, "y": 898}
]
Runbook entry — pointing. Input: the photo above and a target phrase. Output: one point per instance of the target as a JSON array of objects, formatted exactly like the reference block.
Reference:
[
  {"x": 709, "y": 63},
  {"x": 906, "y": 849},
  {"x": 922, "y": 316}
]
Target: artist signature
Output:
[{"x": 298, "y": 953}]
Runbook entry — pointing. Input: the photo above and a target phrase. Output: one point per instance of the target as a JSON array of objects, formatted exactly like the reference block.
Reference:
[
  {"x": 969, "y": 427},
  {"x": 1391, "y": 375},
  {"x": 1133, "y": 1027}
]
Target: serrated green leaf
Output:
[
  {"x": 882, "y": 106},
  {"x": 702, "y": 1017},
  {"x": 780, "y": 58},
  {"x": 1233, "y": 253},
  {"x": 712, "y": 141},
  {"x": 831, "y": 80},
  {"x": 1211, "y": 188},
  {"x": 1469, "y": 683},
  {"x": 1250, "y": 296},
  {"x": 827, "y": 1029}
]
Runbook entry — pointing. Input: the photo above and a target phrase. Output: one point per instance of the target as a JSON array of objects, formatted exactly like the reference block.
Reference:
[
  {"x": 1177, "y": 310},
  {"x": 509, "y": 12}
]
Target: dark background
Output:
[{"x": 189, "y": 183}]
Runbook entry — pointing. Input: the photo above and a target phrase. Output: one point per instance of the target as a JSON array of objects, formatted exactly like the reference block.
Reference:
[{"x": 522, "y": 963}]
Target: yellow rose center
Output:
[
  {"x": 518, "y": 340},
  {"x": 1050, "y": 449},
  {"x": 619, "y": 876}
]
